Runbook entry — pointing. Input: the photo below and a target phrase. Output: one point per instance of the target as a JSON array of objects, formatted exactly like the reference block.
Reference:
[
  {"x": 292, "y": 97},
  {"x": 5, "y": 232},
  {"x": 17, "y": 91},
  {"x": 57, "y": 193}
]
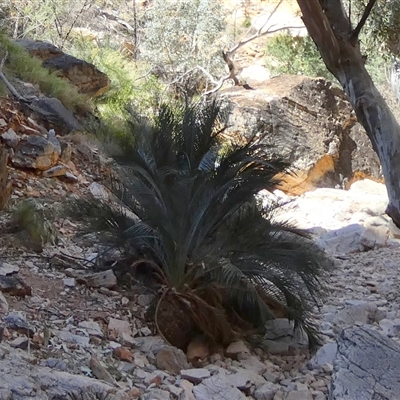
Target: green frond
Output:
[{"x": 187, "y": 203}]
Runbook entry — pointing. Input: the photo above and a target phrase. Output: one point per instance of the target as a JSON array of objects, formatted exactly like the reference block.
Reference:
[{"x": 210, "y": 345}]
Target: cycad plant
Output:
[{"x": 187, "y": 211}]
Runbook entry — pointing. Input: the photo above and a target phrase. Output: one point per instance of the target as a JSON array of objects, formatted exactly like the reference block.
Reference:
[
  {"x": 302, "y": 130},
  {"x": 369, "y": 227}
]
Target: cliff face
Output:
[{"x": 308, "y": 122}]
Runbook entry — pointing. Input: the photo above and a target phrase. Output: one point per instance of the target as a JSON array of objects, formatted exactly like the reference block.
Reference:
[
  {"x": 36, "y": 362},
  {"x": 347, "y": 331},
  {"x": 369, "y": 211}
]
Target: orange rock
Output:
[{"x": 123, "y": 354}]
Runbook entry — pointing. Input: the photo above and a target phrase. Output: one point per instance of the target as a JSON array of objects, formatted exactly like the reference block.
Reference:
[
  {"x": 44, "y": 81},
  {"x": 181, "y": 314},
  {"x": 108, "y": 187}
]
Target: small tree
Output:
[
  {"x": 181, "y": 35},
  {"x": 189, "y": 220}
]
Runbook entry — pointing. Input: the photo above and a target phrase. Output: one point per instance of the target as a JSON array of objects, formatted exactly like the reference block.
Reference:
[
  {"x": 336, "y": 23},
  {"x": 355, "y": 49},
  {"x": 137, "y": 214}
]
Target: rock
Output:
[
  {"x": 3, "y": 304},
  {"x": 105, "y": 279},
  {"x": 7, "y": 269},
  {"x": 85, "y": 76},
  {"x": 54, "y": 363},
  {"x": 156, "y": 394},
  {"x": 66, "y": 152},
  {"x": 57, "y": 170},
  {"x": 195, "y": 375},
  {"x": 236, "y": 348},
  {"x": 150, "y": 344},
  {"x": 172, "y": 360},
  {"x": 116, "y": 327},
  {"x": 123, "y": 354},
  {"x": 282, "y": 330},
  {"x": 35, "y": 152},
  {"x": 20, "y": 342},
  {"x": 99, "y": 371},
  {"x": 69, "y": 282},
  {"x": 54, "y": 112},
  {"x": 187, "y": 390},
  {"x": 254, "y": 364},
  {"x": 20, "y": 379},
  {"x": 14, "y": 285},
  {"x": 366, "y": 366},
  {"x": 92, "y": 328},
  {"x": 363, "y": 313},
  {"x": 69, "y": 337},
  {"x": 307, "y": 122},
  {"x": 299, "y": 395},
  {"x": 17, "y": 322},
  {"x": 217, "y": 388},
  {"x": 266, "y": 392},
  {"x": 243, "y": 379},
  {"x": 10, "y": 138},
  {"x": 376, "y": 232},
  {"x": 325, "y": 354}
]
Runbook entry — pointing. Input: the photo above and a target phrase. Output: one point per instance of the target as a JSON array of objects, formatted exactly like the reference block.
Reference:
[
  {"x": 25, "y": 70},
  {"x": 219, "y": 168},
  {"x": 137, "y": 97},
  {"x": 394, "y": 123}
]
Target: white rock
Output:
[
  {"x": 195, "y": 375},
  {"x": 217, "y": 388},
  {"x": 266, "y": 391}
]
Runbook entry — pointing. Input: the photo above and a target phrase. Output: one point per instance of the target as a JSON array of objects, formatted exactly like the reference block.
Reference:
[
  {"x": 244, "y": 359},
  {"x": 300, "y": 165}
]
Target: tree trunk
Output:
[
  {"x": 5, "y": 187},
  {"x": 330, "y": 28}
]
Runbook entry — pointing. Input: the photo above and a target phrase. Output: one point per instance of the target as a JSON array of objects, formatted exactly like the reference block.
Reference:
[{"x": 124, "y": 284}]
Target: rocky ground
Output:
[{"x": 69, "y": 333}]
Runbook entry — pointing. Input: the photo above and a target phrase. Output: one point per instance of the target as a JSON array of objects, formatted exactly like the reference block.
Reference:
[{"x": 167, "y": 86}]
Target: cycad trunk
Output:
[{"x": 330, "y": 28}]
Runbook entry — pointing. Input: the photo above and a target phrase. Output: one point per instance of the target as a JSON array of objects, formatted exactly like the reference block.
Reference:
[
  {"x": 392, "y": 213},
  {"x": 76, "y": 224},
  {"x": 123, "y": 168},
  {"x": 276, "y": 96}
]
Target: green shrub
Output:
[
  {"x": 296, "y": 55},
  {"x": 186, "y": 217}
]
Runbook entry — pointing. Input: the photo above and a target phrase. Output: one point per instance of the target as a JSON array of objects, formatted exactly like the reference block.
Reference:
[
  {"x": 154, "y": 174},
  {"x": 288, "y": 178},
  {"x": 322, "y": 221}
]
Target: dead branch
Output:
[
  {"x": 228, "y": 55},
  {"x": 9, "y": 86}
]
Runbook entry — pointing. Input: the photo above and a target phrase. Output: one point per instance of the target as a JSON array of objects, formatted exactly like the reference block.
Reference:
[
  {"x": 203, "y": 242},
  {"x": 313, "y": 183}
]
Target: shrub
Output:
[
  {"x": 187, "y": 218},
  {"x": 287, "y": 54}
]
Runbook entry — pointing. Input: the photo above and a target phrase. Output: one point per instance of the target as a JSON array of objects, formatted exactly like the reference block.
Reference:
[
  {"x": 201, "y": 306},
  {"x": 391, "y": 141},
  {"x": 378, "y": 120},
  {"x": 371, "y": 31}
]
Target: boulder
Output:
[
  {"x": 35, "y": 152},
  {"x": 85, "y": 76},
  {"x": 309, "y": 123},
  {"x": 366, "y": 366}
]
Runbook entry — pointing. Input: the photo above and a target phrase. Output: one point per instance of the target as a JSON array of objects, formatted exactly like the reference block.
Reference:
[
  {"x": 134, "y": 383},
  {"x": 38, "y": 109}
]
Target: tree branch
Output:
[{"x": 367, "y": 11}]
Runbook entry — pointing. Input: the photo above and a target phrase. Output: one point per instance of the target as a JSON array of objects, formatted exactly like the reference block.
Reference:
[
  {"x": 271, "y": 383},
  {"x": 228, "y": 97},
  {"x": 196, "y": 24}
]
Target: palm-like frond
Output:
[{"x": 187, "y": 203}]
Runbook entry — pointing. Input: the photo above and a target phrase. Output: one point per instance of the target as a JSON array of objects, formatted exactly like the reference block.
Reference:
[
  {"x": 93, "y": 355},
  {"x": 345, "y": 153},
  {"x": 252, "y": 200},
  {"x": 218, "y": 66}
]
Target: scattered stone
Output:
[
  {"x": 243, "y": 379},
  {"x": 20, "y": 342},
  {"x": 57, "y": 170},
  {"x": 3, "y": 304},
  {"x": 195, "y": 375},
  {"x": 92, "y": 328},
  {"x": 99, "y": 371},
  {"x": 67, "y": 336},
  {"x": 123, "y": 354},
  {"x": 217, "y": 388},
  {"x": 69, "y": 282},
  {"x": 266, "y": 391},
  {"x": 118, "y": 326},
  {"x": 172, "y": 360},
  {"x": 10, "y": 138},
  {"x": 105, "y": 279},
  {"x": 17, "y": 322},
  {"x": 236, "y": 348}
]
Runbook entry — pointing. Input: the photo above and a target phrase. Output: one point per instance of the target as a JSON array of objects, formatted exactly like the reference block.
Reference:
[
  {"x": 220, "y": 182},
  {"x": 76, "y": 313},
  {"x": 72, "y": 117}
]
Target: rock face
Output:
[
  {"x": 85, "y": 76},
  {"x": 308, "y": 122},
  {"x": 366, "y": 366}
]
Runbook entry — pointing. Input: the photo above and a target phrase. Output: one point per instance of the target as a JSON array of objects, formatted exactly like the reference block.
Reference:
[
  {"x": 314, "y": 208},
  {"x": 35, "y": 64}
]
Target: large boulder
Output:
[
  {"x": 366, "y": 366},
  {"x": 85, "y": 76},
  {"x": 310, "y": 123}
]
